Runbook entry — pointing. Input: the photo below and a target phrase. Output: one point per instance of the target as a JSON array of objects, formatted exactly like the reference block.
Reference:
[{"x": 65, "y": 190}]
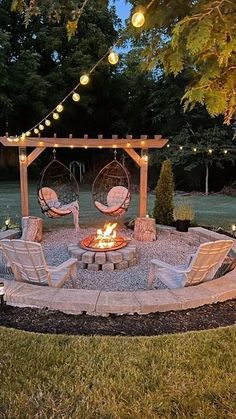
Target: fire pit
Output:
[
  {"x": 105, "y": 251},
  {"x": 105, "y": 240}
]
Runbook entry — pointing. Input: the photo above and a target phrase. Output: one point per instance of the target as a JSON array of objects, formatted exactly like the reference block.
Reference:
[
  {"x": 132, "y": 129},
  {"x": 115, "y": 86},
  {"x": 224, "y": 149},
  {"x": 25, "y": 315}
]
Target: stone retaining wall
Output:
[{"x": 99, "y": 302}]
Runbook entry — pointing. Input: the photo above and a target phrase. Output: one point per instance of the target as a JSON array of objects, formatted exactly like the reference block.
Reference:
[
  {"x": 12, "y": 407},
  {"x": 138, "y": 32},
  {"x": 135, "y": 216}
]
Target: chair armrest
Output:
[
  {"x": 67, "y": 264},
  {"x": 165, "y": 265}
]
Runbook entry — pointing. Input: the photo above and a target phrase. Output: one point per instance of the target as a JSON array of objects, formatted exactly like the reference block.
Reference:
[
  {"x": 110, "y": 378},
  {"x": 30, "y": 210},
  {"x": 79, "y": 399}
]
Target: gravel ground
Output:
[{"x": 168, "y": 248}]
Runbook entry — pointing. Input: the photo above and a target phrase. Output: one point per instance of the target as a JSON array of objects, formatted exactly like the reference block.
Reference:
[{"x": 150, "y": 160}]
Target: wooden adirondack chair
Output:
[
  {"x": 201, "y": 266},
  {"x": 28, "y": 264}
]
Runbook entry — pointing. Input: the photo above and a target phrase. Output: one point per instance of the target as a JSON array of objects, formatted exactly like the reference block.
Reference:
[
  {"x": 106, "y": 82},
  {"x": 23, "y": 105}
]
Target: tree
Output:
[
  {"x": 198, "y": 150},
  {"x": 198, "y": 36},
  {"x": 39, "y": 66},
  {"x": 163, "y": 206}
]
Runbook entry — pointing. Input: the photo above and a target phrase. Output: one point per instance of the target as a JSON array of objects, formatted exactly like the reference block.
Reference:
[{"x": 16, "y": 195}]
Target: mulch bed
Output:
[{"x": 55, "y": 322}]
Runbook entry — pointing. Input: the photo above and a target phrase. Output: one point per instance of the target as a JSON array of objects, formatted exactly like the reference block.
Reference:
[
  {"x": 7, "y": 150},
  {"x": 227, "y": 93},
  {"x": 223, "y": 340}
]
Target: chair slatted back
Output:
[
  {"x": 207, "y": 261},
  {"x": 27, "y": 261}
]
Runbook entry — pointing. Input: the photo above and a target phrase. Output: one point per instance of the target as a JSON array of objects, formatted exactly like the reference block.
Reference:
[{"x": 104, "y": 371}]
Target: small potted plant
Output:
[{"x": 183, "y": 213}]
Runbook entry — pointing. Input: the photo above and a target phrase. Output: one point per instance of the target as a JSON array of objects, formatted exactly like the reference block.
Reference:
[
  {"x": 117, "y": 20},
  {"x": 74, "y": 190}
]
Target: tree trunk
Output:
[
  {"x": 32, "y": 229},
  {"x": 145, "y": 229},
  {"x": 207, "y": 179}
]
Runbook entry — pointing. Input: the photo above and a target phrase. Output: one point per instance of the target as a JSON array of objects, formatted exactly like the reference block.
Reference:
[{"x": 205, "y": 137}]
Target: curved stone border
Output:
[
  {"x": 98, "y": 302},
  {"x": 95, "y": 302}
]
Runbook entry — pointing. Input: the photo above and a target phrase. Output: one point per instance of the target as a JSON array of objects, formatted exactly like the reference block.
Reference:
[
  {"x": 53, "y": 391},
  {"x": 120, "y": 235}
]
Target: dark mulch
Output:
[{"x": 45, "y": 321}]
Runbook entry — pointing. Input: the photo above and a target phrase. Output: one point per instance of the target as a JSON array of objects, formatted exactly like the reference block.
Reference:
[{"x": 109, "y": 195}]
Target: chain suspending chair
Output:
[
  {"x": 58, "y": 191},
  {"x": 111, "y": 189}
]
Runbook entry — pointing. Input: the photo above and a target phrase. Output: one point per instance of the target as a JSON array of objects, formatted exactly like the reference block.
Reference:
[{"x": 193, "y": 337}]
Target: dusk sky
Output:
[{"x": 122, "y": 8}]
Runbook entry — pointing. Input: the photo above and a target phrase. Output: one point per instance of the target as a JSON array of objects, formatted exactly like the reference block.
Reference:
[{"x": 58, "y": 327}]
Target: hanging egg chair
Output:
[
  {"x": 58, "y": 191},
  {"x": 112, "y": 190}
]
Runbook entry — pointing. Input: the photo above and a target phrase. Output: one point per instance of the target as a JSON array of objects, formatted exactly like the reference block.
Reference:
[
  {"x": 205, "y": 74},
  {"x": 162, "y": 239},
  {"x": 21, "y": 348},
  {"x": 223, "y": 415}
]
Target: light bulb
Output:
[
  {"x": 36, "y": 131},
  {"x": 59, "y": 108},
  {"x": 47, "y": 122},
  {"x": 225, "y": 151},
  {"x": 55, "y": 115},
  {"x": 113, "y": 58},
  {"x": 210, "y": 151},
  {"x": 76, "y": 97},
  {"x": 41, "y": 127},
  {"x": 194, "y": 149},
  {"x": 168, "y": 145},
  {"x": 84, "y": 79},
  {"x": 181, "y": 147},
  {"x": 22, "y": 137},
  {"x": 233, "y": 227},
  {"x": 27, "y": 133},
  {"x": 138, "y": 19}
]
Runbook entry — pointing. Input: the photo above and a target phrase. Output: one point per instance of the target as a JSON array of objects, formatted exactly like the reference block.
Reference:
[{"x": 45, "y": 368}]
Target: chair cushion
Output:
[
  {"x": 117, "y": 196},
  {"x": 114, "y": 210}
]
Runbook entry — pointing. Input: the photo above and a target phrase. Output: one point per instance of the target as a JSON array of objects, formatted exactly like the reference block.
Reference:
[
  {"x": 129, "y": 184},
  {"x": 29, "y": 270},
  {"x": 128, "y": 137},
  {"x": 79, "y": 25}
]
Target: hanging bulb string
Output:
[
  {"x": 150, "y": 4},
  {"x": 78, "y": 84},
  {"x": 54, "y": 110}
]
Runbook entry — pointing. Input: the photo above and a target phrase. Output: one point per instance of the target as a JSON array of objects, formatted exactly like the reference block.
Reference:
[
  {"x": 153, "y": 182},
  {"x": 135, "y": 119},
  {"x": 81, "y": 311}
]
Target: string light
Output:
[
  {"x": 210, "y": 151},
  {"x": 195, "y": 150},
  {"x": 138, "y": 19},
  {"x": 27, "y": 133},
  {"x": 225, "y": 151},
  {"x": 181, "y": 147},
  {"x": 168, "y": 146},
  {"x": 84, "y": 79},
  {"x": 113, "y": 58},
  {"x": 41, "y": 127},
  {"x": 55, "y": 115},
  {"x": 59, "y": 108},
  {"x": 76, "y": 97},
  {"x": 36, "y": 131},
  {"x": 47, "y": 122}
]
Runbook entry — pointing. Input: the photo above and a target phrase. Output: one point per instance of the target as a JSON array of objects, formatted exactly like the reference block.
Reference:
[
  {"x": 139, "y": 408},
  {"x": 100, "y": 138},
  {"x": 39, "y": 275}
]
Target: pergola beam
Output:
[
  {"x": 44, "y": 142},
  {"x": 127, "y": 144},
  {"x": 34, "y": 154},
  {"x": 134, "y": 155}
]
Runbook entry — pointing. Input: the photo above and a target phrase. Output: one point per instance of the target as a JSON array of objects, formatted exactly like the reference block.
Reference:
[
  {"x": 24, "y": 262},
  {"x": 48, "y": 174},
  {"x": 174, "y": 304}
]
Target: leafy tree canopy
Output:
[{"x": 197, "y": 35}]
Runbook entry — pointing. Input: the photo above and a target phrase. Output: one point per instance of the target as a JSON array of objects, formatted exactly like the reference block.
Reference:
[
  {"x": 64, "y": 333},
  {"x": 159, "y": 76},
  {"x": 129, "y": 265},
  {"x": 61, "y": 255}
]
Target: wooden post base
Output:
[
  {"x": 32, "y": 229},
  {"x": 145, "y": 229}
]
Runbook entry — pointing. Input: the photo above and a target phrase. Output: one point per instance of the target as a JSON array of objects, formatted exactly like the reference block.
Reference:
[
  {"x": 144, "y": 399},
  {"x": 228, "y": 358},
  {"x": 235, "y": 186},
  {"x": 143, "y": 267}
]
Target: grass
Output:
[
  {"x": 213, "y": 210},
  {"x": 191, "y": 375}
]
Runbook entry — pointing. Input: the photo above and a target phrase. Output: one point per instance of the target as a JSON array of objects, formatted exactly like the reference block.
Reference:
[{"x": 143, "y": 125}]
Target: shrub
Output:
[
  {"x": 183, "y": 211},
  {"x": 163, "y": 207}
]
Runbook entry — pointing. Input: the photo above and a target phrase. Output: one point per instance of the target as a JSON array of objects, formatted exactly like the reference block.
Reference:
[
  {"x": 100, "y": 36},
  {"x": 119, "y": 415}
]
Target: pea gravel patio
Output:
[{"x": 171, "y": 248}]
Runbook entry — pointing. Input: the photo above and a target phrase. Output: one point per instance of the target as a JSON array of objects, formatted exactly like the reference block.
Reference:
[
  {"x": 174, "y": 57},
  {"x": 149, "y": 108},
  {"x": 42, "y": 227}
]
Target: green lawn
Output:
[
  {"x": 214, "y": 210},
  {"x": 190, "y": 375}
]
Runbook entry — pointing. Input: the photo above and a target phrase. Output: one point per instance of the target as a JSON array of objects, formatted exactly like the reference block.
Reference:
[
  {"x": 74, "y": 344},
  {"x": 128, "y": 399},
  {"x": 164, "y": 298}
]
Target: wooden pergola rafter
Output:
[{"x": 128, "y": 144}]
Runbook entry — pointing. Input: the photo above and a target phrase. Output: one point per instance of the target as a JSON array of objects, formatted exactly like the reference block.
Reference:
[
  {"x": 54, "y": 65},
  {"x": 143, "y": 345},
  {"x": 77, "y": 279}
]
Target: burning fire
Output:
[{"x": 106, "y": 237}]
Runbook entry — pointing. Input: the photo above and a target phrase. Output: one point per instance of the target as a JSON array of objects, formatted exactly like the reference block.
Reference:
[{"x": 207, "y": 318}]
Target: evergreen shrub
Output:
[{"x": 163, "y": 206}]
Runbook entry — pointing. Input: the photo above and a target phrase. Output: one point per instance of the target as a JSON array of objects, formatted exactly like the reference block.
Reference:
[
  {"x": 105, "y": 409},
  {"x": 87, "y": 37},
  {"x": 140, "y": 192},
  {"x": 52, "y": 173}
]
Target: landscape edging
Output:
[
  {"x": 99, "y": 302},
  {"x": 95, "y": 302}
]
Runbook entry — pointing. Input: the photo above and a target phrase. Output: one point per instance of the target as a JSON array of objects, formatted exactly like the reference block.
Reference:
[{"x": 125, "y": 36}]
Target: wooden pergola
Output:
[{"x": 128, "y": 145}]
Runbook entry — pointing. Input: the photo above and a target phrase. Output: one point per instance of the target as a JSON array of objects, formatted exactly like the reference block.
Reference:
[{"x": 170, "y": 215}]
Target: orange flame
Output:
[{"x": 106, "y": 237}]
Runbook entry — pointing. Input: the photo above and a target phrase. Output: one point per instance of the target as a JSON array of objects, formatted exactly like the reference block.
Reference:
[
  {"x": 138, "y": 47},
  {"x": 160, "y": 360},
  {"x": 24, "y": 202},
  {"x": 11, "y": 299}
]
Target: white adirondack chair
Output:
[
  {"x": 28, "y": 264},
  {"x": 201, "y": 266}
]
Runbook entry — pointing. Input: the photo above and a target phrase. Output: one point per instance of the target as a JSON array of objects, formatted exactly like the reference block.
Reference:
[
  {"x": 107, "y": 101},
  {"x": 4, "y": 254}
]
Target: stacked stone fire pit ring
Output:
[{"x": 106, "y": 261}]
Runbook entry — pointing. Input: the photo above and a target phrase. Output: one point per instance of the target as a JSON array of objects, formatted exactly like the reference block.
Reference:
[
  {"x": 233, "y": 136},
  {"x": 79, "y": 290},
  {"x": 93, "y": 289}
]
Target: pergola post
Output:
[
  {"x": 24, "y": 182},
  {"x": 143, "y": 195}
]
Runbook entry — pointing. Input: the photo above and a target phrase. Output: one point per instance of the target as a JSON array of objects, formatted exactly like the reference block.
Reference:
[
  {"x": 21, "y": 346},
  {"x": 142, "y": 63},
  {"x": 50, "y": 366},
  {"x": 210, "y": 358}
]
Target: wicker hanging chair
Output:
[
  {"x": 112, "y": 190},
  {"x": 58, "y": 191}
]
